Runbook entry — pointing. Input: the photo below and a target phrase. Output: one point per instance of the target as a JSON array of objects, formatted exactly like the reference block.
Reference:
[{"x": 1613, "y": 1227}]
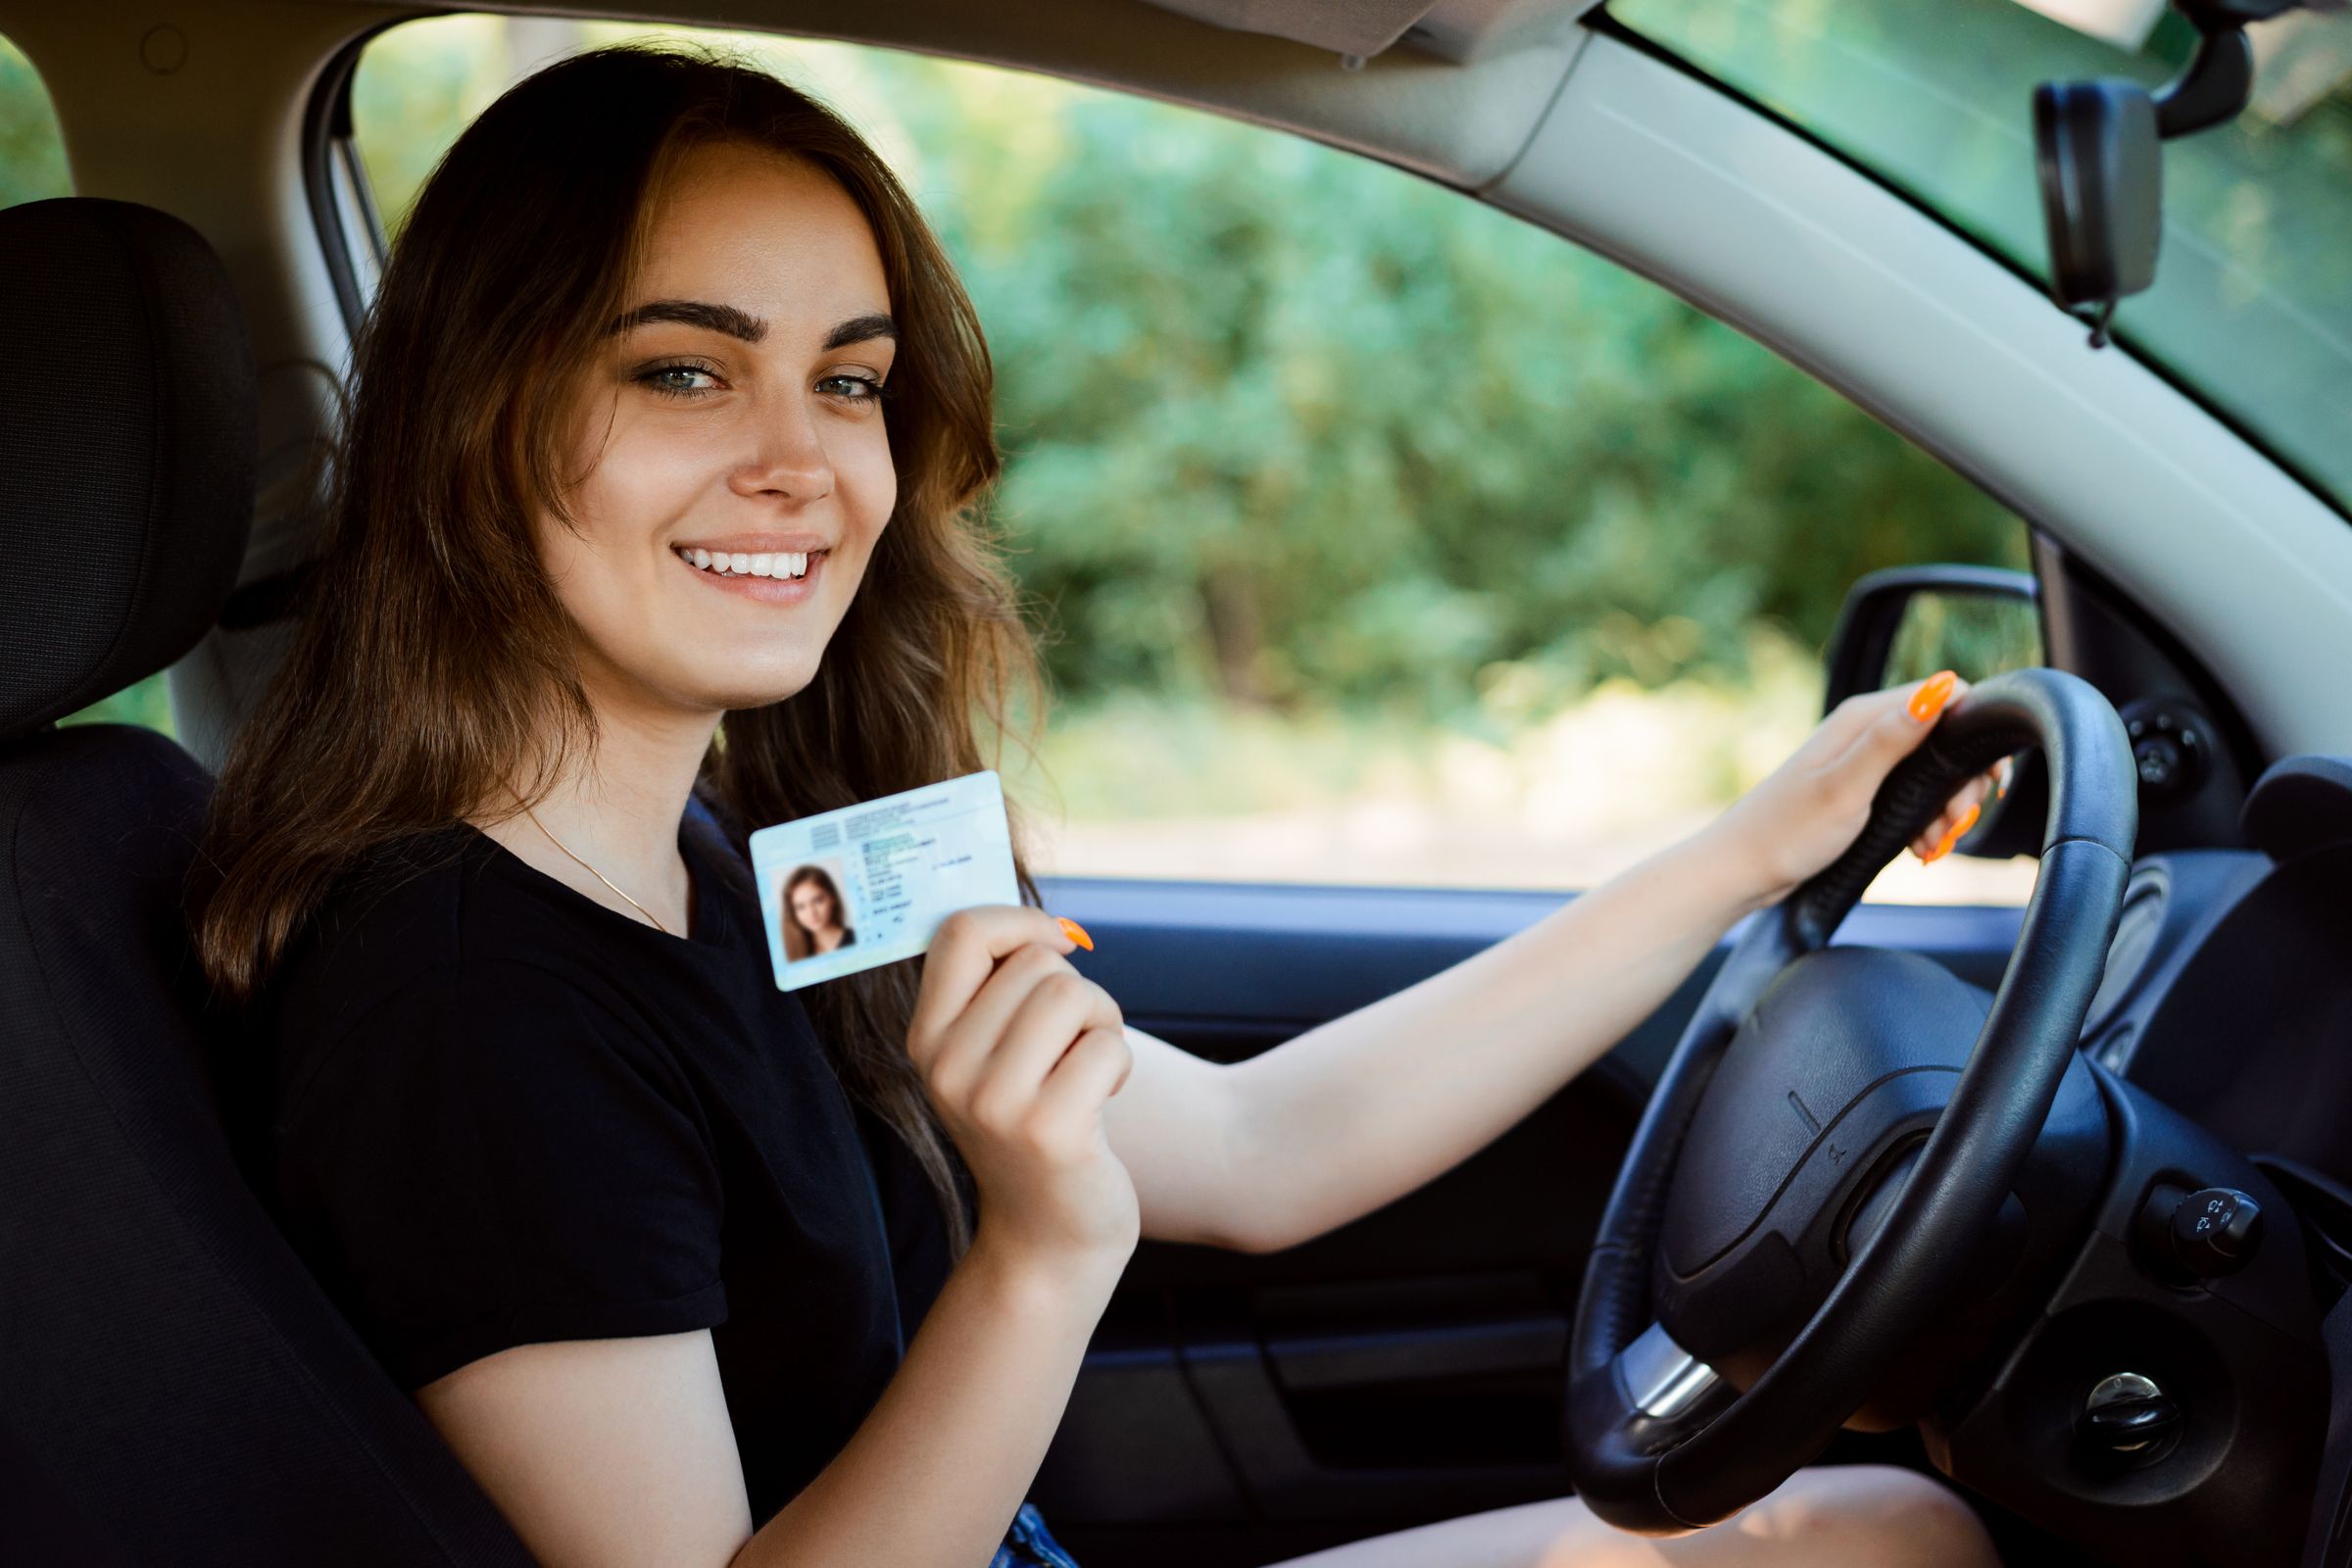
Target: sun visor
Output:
[{"x": 1344, "y": 27}]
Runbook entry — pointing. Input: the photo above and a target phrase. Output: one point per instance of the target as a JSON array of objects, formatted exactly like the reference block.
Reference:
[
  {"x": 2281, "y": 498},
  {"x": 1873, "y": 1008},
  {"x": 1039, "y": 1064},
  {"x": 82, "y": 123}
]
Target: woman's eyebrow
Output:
[
  {"x": 742, "y": 325},
  {"x": 862, "y": 328},
  {"x": 693, "y": 312}
]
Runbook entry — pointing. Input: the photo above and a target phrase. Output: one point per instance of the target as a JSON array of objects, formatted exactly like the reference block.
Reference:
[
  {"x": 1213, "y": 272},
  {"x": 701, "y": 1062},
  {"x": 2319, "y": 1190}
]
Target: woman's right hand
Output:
[{"x": 1020, "y": 1053}]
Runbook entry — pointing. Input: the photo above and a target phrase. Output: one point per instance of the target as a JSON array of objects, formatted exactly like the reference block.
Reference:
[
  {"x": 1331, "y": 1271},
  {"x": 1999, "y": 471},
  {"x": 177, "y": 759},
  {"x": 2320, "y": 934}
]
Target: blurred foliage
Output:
[
  {"x": 1288, "y": 427},
  {"x": 417, "y": 88},
  {"x": 1298, "y": 424},
  {"x": 1976, "y": 634},
  {"x": 147, "y": 703},
  {"x": 33, "y": 151}
]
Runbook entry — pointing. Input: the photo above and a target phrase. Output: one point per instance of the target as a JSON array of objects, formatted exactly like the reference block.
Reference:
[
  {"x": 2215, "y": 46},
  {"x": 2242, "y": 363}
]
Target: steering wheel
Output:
[{"x": 1695, "y": 1248}]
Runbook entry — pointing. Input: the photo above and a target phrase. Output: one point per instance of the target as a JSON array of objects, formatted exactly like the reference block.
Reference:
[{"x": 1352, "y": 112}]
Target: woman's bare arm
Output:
[
  {"x": 617, "y": 1453},
  {"x": 1368, "y": 1106}
]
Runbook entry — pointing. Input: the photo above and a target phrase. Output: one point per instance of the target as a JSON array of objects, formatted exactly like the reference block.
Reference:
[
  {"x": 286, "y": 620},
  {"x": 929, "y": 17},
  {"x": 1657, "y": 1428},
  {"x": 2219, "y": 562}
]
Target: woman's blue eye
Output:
[
  {"x": 847, "y": 388},
  {"x": 653, "y": 379},
  {"x": 868, "y": 389}
]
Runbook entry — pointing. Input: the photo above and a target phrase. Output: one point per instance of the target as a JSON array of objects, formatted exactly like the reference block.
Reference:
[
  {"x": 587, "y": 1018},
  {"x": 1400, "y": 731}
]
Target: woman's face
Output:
[
  {"x": 744, "y": 472},
  {"x": 812, "y": 907}
]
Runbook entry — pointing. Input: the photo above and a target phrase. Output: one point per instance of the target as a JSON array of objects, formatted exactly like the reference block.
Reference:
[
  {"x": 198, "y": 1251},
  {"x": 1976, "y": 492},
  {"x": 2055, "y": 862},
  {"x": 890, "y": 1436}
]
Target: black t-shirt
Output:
[{"x": 505, "y": 1114}]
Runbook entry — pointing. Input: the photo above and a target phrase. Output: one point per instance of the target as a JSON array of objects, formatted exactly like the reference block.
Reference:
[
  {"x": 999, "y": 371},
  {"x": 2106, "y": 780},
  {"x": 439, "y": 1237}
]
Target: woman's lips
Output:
[{"x": 765, "y": 590}]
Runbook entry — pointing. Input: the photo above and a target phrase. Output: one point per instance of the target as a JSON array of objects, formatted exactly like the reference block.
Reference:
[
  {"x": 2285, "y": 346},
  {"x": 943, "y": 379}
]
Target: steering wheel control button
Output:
[
  {"x": 2214, "y": 1231},
  {"x": 2167, "y": 750},
  {"x": 2129, "y": 1420},
  {"x": 2186, "y": 1239}
]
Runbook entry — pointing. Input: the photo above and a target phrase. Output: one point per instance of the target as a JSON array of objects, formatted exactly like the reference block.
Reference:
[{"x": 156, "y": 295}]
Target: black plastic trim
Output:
[
  {"x": 326, "y": 126},
  {"x": 2069, "y": 584}
]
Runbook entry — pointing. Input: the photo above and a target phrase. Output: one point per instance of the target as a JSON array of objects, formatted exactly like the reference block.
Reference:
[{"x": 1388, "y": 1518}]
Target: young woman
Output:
[
  {"x": 814, "y": 906},
  {"x": 652, "y": 490}
]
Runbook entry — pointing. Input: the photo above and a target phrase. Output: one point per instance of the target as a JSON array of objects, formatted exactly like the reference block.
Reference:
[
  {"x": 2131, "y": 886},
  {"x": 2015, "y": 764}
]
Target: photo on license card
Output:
[
  {"x": 818, "y": 918},
  {"x": 868, "y": 884}
]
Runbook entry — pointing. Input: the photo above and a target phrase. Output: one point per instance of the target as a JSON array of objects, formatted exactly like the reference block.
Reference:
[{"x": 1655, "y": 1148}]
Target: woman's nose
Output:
[{"x": 789, "y": 459}]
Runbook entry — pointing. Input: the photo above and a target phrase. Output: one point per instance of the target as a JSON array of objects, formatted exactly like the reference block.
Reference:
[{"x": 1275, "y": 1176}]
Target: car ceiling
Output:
[
  {"x": 1451, "y": 89},
  {"x": 1454, "y": 29}
]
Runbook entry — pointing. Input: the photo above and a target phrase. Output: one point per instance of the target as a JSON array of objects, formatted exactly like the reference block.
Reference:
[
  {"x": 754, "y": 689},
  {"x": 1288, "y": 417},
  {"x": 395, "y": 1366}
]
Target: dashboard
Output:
[
  {"x": 2228, "y": 994},
  {"x": 2220, "y": 1038}
]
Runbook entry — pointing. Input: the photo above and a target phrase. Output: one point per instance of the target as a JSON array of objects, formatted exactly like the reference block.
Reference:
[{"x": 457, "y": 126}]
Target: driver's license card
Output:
[{"x": 868, "y": 884}]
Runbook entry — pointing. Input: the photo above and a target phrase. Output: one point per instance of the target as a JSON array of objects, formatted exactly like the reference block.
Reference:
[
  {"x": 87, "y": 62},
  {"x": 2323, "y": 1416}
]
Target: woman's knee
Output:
[
  {"x": 1876, "y": 1514},
  {"x": 1838, "y": 1516}
]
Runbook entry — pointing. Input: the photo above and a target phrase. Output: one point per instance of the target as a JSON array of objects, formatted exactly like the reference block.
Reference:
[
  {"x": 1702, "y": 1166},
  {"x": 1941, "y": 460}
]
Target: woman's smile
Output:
[{"x": 771, "y": 568}]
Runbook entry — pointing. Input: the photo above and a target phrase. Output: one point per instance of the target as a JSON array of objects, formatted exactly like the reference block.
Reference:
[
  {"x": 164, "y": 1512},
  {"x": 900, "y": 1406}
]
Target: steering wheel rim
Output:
[{"x": 1637, "y": 1456}]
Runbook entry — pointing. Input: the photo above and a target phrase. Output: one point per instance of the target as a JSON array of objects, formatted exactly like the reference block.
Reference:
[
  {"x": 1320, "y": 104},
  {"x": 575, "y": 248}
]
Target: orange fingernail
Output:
[
  {"x": 1075, "y": 932},
  {"x": 1928, "y": 700},
  {"x": 1953, "y": 836}
]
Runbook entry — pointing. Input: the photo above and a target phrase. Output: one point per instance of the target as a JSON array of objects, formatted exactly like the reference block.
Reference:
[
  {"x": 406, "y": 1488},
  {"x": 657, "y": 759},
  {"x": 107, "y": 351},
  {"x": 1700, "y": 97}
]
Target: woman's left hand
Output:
[{"x": 1805, "y": 813}]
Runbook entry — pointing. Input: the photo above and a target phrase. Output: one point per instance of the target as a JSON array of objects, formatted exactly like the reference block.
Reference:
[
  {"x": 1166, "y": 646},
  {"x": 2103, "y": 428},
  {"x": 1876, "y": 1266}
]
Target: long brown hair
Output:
[{"x": 434, "y": 662}]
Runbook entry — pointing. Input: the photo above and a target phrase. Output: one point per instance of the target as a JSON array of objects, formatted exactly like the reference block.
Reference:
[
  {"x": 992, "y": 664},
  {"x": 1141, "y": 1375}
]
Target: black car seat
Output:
[{"x": 175, "y": 1389}]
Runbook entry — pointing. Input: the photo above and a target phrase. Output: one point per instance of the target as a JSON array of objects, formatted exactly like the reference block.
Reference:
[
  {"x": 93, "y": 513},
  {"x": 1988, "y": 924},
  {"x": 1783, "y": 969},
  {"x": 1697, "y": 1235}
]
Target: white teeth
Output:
[{"x": 781, "y": 563}]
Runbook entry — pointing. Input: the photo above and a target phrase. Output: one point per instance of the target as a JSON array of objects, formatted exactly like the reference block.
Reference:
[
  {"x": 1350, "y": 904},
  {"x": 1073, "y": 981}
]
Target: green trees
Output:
[
  {"x": 32, "y": 155},
  {"x": 1289, "y": 426}
]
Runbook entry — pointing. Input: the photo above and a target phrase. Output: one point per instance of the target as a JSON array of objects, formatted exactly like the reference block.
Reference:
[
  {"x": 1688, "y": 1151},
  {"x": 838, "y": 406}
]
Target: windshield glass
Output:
[{"x": 2252, "y": 308}]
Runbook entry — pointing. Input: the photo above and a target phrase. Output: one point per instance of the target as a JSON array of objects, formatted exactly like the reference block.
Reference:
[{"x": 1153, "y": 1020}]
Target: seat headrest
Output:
[{"x": 129, "y": 442}]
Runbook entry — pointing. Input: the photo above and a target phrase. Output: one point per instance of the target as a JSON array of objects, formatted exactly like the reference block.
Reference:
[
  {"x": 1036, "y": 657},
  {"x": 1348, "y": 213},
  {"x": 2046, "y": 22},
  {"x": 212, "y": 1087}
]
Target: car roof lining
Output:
[
  {"x": 1360, "y": 28},
  {"x": 1456, "y": 102},
  {"x": 1455, "y": 98},
  {"x": 1453, "y": 30}
]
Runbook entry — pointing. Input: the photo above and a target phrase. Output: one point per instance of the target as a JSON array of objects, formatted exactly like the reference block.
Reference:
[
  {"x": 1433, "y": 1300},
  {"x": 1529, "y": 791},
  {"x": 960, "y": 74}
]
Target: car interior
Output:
[{"x": 2054, "y": 1201}]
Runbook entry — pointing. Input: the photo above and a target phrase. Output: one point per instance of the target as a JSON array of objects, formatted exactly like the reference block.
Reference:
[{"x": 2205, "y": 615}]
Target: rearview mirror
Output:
[
  {"x": 2103, "y": 188},
  {"x": 2099, "y": 156}
]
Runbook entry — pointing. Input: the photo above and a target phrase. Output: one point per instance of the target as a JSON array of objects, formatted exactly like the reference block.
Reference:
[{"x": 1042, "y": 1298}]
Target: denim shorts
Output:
[{"x": 1030, "y": 1544}]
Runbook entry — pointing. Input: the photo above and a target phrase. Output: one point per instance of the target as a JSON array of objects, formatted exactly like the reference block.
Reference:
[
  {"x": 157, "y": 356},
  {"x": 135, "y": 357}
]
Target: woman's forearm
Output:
[
  {"x": 938, "y": 1468},
  {"x": 1368, "y": 1106}
]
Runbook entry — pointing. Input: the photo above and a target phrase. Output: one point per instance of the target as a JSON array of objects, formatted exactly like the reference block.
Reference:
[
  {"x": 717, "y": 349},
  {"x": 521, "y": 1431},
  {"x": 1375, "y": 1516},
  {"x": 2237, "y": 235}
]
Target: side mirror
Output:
[{"x": 1907, "y": 623}]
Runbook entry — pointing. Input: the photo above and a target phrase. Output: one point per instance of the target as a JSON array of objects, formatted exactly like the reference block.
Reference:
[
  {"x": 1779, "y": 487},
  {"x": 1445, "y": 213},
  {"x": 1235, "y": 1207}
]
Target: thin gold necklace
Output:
[{"x": 594, "y": 872}]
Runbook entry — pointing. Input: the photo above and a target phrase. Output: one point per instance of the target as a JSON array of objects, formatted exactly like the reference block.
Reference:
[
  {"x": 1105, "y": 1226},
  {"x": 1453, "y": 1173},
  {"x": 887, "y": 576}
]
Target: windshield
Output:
[{"x": 2252, "y": 308}]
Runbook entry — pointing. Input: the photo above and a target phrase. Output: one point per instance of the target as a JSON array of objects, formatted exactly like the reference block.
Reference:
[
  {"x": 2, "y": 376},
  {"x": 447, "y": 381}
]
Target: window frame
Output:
[{"x": 343, "y": 211}]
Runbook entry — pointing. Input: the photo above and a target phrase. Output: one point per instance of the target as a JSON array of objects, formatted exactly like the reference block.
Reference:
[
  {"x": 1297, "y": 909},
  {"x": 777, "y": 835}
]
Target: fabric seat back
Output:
[{"x": 174, "y": 1387}]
